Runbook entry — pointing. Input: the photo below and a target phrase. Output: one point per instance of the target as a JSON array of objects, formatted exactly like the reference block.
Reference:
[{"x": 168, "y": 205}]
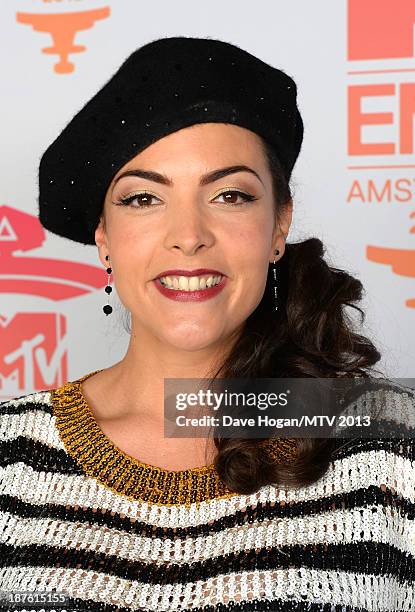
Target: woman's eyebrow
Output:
[{"x": 210, "y": 177}]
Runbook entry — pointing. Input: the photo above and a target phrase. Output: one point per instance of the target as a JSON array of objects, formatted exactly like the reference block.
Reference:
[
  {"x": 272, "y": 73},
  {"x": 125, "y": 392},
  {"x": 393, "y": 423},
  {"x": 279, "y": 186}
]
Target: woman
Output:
[{"x": 180, "y": 166}]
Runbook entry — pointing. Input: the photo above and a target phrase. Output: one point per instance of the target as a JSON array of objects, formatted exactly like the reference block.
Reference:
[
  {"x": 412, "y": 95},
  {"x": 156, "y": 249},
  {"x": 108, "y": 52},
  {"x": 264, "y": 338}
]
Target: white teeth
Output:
[{"x": 192, "y": 283}]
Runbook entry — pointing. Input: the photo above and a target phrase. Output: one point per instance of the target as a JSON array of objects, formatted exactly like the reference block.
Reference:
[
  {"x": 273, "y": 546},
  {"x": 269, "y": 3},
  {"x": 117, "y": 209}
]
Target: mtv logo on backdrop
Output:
[
  {"x": 33, "y": 330},
  {"x": 381, "y": 29}
]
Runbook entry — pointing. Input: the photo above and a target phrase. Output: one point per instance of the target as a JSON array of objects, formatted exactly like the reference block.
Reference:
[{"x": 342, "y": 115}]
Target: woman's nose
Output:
[{"x": 188, "y": 228}]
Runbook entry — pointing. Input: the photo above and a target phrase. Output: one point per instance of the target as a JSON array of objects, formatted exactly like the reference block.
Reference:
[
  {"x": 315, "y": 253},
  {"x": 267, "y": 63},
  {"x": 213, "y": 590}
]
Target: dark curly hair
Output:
[{"x": 310, "y": 336}]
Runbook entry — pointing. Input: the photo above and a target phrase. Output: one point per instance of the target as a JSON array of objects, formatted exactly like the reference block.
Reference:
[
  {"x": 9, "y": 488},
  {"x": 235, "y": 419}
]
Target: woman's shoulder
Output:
[
  {"x": 40, "y": 401},
  {"x": 26, "y": 419},
  {"x": 27, "y": 428},
  {"x": 30, "y": 448},
  {"x": 21, "y": 404},
  {"x": 383, "y": 406},
  {"x": 383, "y": 425}
]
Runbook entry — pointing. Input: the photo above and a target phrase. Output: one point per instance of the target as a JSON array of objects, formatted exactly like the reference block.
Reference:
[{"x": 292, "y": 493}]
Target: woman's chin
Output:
[{"x": 194, "y": 339}]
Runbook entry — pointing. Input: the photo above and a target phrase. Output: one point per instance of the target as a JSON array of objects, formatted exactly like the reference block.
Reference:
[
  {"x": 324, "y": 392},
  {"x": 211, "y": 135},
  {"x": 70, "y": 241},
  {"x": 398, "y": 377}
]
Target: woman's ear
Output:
[
  {"x": 282, "y": 227},
  {"x": 101, "y": 240},
  {"x": 285, "y": 218}
]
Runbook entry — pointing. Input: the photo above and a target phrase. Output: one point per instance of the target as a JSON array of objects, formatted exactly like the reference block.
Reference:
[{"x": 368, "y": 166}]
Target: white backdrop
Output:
[{"x": 53, "y": 329}]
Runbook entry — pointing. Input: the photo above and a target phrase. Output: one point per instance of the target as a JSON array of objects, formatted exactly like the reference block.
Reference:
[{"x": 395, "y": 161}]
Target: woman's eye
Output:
[
  {"x": 232, "y": 196},
  {"x": 143, "y": 197}
]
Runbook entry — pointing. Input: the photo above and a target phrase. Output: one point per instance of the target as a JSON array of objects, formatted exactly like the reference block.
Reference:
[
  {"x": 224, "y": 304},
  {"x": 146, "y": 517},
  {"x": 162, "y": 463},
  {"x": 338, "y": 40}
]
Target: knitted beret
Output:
[{"x": 163, "y": 86}]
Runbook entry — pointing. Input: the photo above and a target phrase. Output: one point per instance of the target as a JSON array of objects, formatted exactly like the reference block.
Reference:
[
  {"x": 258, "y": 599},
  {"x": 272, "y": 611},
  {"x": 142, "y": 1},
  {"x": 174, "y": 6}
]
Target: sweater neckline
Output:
[{"x": 101, "y": 459}]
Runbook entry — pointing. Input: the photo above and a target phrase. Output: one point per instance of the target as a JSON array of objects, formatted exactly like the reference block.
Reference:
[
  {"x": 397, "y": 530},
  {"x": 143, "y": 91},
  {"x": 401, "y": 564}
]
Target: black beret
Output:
[{"x": 163, "y": 86}]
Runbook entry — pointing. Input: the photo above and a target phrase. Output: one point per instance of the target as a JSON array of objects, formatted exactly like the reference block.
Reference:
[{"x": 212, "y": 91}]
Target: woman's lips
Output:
[{"x": 198, "y": 295}]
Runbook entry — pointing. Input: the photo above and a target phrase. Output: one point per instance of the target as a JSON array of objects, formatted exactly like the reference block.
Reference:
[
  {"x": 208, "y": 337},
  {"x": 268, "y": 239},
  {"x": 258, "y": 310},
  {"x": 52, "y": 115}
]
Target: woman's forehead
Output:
[{"x": 213, "y": 141}]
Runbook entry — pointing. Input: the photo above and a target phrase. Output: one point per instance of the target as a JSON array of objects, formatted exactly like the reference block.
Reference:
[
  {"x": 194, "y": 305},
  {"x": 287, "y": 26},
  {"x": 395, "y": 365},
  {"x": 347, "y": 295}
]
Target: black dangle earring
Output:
[
  {"x": 274, "y": 272},
  {"x": 107, "y": 308}
]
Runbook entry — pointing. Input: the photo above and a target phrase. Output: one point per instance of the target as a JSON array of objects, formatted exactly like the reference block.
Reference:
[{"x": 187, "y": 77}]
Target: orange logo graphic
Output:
[
  {"x": 63, "y": 28},
  {"x": 401, "y": 260},
  {"x": 380, "y": 29},
  {"x": 403, "y": 118},
  {"x": 33, "y": 344}
]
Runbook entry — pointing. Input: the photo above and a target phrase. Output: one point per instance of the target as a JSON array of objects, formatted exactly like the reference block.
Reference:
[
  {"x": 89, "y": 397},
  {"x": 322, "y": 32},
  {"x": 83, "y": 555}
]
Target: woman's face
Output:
[{"x": 192, "y": 220}]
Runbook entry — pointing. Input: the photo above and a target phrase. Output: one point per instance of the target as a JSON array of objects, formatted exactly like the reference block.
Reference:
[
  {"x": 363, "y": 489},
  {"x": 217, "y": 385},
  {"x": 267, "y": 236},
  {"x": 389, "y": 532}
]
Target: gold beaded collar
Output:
[{"x": 101, "y": 459}]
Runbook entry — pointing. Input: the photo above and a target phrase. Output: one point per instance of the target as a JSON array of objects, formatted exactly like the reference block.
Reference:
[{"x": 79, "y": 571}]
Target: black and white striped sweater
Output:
[{"x": 80, "y": 517}]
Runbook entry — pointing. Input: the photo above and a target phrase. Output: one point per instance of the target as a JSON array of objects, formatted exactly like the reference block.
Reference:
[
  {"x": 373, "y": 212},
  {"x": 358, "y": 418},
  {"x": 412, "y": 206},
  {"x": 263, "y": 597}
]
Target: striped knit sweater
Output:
[{"x": 80, "y": 517}]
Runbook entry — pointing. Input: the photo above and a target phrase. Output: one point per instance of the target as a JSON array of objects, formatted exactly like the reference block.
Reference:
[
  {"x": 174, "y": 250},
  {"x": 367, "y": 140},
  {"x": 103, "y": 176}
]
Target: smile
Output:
[
  {"x": 190, "y": 283},
  {"x": 193, "y": 288}
]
